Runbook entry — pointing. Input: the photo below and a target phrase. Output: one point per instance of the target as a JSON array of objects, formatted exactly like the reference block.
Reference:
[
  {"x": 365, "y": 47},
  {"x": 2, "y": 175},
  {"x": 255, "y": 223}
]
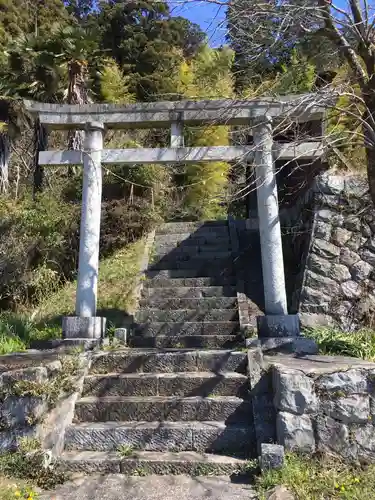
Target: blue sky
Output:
[{"x": 211, "y": 17}]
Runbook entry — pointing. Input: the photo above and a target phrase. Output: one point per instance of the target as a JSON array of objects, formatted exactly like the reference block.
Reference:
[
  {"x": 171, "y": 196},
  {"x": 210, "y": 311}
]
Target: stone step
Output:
[
  {"x": 162, "y": 436},
  {"x": 199, "y": 265},
  {"x": 184, "y": 227},
  {"x": 180, "y": 315},
  {"x": 160, "y": 408},
  {"x": 224, "y": 275},
  {"x": 189, "y": 292},
  {"x": 182, "y": 384},
  {"x": 188, "y": 328},
  {"x": 189, "y": 303},
  {"x": 182, "y": 250},
  {"x": 151, "y": 463},
  {"x": 162, "y": 281},
  {"x": 189, "y": 341},
  {"x": 193, "y": 239},
  {"x": 168, "y": 361},
  {"x": 181, "y": 253}
]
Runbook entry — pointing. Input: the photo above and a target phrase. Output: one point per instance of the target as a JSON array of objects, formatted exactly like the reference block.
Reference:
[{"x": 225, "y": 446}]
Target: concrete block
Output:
[
  {"x": 287, "y": 345},
  {"x": 278, "y": 326},
  {"x": 88, "y": 328},
  {"x": 272, "y": 456}
]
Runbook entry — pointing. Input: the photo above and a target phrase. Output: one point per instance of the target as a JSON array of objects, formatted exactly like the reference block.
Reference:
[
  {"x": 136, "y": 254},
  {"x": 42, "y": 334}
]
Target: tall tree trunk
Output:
[
  {"x": 4, "y": 162},
  {"x": 40, "y": 144},
  {"x": 369, "y": 134}
]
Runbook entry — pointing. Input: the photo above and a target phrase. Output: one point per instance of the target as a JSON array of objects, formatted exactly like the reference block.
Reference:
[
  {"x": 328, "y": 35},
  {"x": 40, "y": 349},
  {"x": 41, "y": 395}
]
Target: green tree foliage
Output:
[
  {"x": 297, "y": 77},
  {"x": 22, "y": 17},
  {"x": 114, "y": 86},
  {"x": 207, "y": 76},
  {"x": 144, "y": 41}
]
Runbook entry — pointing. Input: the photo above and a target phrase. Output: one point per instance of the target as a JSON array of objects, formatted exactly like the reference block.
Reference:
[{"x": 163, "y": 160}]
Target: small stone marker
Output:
[
  {"x": 121, "y": 335},
  {"x": 271, "y": 457}
]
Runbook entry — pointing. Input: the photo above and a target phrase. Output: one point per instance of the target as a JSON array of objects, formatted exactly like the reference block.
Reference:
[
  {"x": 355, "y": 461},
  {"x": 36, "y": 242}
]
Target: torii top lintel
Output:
[{"x": 299, "y": 108}]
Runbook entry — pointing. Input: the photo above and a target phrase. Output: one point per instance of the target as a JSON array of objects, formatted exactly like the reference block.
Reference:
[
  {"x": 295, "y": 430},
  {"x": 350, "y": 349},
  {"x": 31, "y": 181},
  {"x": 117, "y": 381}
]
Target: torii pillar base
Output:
[{"x": 75, "y": 327}]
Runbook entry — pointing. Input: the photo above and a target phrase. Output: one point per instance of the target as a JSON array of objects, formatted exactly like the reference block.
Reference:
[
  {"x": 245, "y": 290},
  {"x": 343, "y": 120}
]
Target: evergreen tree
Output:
[
  {"x": 144, "y": 40},
  {"x": 22, "y": 17}
]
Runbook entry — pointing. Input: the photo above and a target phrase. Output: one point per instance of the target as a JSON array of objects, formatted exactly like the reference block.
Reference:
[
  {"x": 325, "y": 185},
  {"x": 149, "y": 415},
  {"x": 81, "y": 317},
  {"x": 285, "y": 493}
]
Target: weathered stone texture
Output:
[
  {"x": 342, "y": 383},
  {"x": 295, "y": 432},
  {"x": 340, "y": 236},
  {"x": 333, "y": 436},
  {"x": 294, "y": 392},
  {"x": 22, "y": 411},
  {"x": 326, "y": 250},
  {"x": 352, "y": 409},
  {"x": 360, "y": 270},
  {"x": 272, "y": 456},
  {"x": 341, "y": 256}
]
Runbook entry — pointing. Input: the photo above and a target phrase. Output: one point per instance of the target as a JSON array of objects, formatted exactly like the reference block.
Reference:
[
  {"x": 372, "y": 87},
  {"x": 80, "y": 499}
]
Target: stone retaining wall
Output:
[
  {"x": 36, "y": 400},
  {"x": 320, "y": 403},
  {"x": 329, "y": 253}
]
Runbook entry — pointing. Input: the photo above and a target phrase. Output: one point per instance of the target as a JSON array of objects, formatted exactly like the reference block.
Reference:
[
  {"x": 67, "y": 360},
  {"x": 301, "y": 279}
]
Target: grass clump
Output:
[
  {"x": 360, "y": 344},
  {"x": 320, "y": 478},
  {"x": 118, "y": 274},
  {"x": 62, "y": 383},
  {"x": 32, "y": 464},
  {"x": 126, "y": 450}
]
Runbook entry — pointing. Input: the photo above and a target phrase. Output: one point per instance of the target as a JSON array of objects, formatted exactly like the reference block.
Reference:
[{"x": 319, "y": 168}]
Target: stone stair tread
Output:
[
  {"x": 190, "y": 292},
  {"x": 150, "y": 462},
  {"x": 192, "y": 227},
  {"x": 195, "y": 264},
  {"x": 193, "y": 252},
  {"x": 167, "y": 360},
  {"x": 195, "y": 341},
  {"x": 136, "y": 425},
  {"x": 150, "y": 399},
  {"x": 188, "y": 239},
  {"x": 201, "y": 281},
  {"x": 202, "y": 436},
  {"x": 191, "y": 324},
  {"x": 166, "y": 456},
  {"x": 202, "y": 272},
  {"x": 166, "y": 384},
  {"x": 181, "y": 315},
  {"x": 190, "y": 249},
  {"x": 224, "y": 374},
  {"x": 177, "y": 303}
]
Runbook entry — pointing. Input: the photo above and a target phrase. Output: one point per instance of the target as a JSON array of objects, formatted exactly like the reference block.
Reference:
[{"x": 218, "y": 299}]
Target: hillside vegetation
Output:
[{"x": 123, "y": 52}]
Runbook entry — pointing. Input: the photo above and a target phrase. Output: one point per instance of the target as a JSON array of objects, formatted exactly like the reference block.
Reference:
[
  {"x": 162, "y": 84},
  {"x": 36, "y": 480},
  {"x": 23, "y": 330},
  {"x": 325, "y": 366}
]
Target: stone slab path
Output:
[{"x": 120, "y": 487}]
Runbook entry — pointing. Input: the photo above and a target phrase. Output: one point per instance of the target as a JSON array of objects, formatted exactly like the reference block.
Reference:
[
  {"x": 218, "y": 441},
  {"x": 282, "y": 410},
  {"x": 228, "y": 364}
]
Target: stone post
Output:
[
  {"x": 177, "y": 135},
  {"x": 88, "y": 264},
  {"x": 86, "y": 324},
  {"x": 269, "y": 222}
]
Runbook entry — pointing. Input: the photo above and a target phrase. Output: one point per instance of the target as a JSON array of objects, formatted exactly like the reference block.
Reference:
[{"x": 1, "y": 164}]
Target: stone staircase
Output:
[
  {"x": 189, "y": 298},
  {"x": 167, "y": 405}
]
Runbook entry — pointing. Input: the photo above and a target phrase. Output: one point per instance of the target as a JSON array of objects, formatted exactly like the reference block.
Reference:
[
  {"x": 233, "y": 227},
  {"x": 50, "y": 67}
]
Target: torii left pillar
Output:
[{"x": 86, "y": 325}]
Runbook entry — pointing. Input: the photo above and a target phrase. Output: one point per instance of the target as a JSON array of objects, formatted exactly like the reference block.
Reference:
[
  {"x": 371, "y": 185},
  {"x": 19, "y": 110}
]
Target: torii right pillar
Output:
[{"x": 277, "y": 330}]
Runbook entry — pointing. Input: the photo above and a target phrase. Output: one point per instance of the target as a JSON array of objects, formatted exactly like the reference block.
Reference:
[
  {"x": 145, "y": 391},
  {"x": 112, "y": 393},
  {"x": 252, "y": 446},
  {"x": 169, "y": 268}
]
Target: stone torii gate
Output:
[{"x": 258, "y": 115}]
